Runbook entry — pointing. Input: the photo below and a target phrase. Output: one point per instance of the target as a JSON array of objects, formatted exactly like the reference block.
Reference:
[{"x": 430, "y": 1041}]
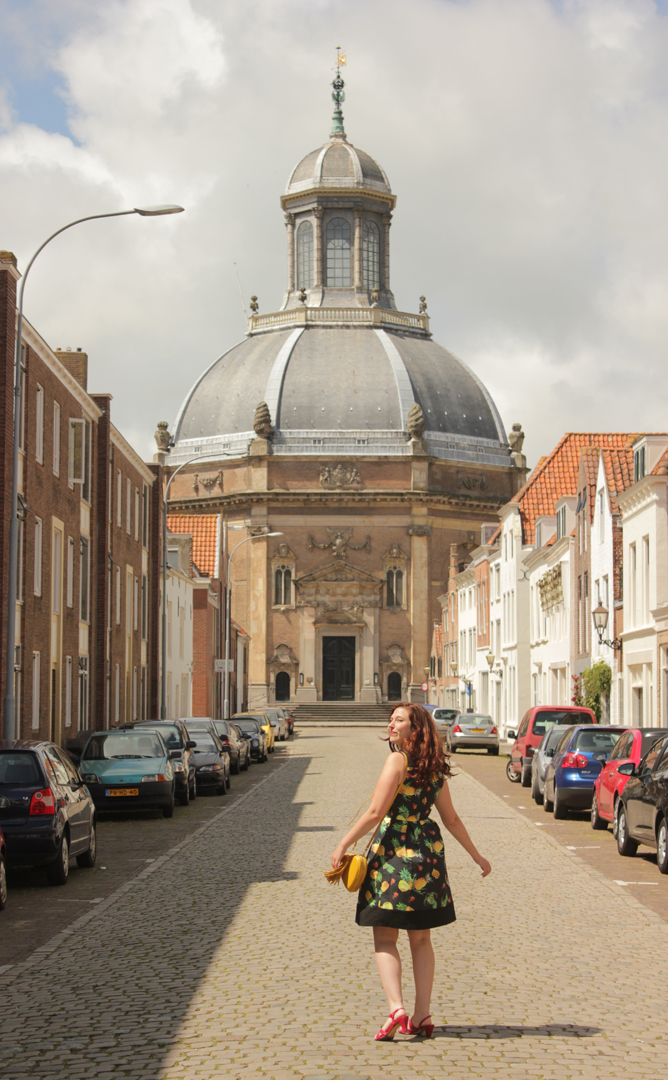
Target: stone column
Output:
[
  {"x": 369, "y": 656},
  {"x": 357, "y": 253},
  {"x": 307, "y": 692},
  {"x": 257, "y": 597},
  {"x": 318, "y": 276},
  {"x": 419, "y": 532},
  {"x": 290, "y": 226},
  {"x": 387, "y": 221}
]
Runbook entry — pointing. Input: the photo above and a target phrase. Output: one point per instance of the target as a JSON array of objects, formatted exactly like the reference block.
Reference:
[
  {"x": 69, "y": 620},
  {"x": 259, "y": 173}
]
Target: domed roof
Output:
[
  {"x": 338, "y": 164},
  {"x": 338, "y": 380}
]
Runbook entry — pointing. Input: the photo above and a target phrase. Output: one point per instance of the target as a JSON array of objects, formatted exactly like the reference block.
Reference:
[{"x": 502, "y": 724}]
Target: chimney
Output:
[{"x": 76, "y": 363}]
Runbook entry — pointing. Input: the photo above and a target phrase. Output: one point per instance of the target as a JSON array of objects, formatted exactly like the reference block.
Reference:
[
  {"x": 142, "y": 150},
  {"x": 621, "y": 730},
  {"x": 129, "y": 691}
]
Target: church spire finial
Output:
[{"x": 338, "y": 95}]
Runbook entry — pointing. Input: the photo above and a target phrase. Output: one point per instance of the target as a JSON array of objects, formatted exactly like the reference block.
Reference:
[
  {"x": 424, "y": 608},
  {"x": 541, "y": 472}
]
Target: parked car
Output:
[
  {"x": 609, "y": 784},
  {"x": 129, "y": 770},
  {"x": 444, "y": 719},
  {"x": 289, "y": 720},
  {"x": 277, "y": 721},
  {"x": 263, "y": 721},
  {"x": 237, "y": 748},
  {"x": 577, "y": 761},
  {"x": 3, "y": 872},
  {"x": 74, "y": 746},
  {"x": 642, "y": 808},
  {"x": 541, "y": 759},
  {"x": 474, "y": 731},
  {"x": 212, "y": 761},
  {"x": 180, "y": 745},
  {"x": 250, "y": 729},
  {"x": 534, "y": 724},
  {"x": 46, "y": 811}
]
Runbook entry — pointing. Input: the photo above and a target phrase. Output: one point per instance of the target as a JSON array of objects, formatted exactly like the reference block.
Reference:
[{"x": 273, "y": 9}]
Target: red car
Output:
[
  {"x": 538, "y": 720},
  {"x": 609, "y": 784}
]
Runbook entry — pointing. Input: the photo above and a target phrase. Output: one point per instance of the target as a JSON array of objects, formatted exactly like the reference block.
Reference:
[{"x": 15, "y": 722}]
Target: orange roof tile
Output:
[
  {"x": 557, "y": 475},
  {"x": 204, "y": 529},
  {"x": 661, "y": 467}
]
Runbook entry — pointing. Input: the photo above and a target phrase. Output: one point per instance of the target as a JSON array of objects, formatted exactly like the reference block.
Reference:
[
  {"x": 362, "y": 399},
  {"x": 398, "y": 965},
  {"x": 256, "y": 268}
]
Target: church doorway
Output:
[
  {"x": 394, "y": 686},
  {"x": 338, "y": 668},
  {"x": 282, "y": 686}
]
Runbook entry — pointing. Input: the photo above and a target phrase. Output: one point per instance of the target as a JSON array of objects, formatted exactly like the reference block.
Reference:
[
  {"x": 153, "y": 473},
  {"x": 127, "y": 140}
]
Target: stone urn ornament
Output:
[
  {"x": 262, "y": 421},
  {"x": 416, "y": 423},
  {"x": 162, "y": 436}
]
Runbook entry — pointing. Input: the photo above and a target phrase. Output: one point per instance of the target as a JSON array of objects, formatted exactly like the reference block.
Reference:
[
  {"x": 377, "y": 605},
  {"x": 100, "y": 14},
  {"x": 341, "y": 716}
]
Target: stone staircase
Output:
[{"x": 340, "y": 712}]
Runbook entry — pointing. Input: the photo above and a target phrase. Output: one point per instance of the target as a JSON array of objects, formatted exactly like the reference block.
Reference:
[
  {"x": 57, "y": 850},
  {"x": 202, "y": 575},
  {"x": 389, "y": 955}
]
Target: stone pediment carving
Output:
[
  {"x": 339, "y": 539},
  {"x": 338, "y": 572},
  {"x": 283, "y": 655},
  {"x": 341, "y": 614},
  {"x": 395, "y": 654}
]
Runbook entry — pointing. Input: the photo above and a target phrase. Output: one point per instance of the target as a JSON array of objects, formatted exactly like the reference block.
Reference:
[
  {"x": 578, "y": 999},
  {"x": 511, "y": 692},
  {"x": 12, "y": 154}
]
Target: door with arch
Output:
[
  {"x": 394, "y": 686},
  {"x": 282, "y": 686}
]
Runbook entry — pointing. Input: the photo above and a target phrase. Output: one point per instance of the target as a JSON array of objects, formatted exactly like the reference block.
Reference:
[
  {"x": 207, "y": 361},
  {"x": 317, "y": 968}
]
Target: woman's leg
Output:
[
  {"x": 422, "y": 953},
  {"x": 388, "y": 962}
]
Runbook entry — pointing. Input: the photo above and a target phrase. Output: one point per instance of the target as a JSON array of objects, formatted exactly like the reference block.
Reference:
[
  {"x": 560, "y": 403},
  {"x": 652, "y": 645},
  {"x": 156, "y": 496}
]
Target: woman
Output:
[{"x": 406, "y": 886}]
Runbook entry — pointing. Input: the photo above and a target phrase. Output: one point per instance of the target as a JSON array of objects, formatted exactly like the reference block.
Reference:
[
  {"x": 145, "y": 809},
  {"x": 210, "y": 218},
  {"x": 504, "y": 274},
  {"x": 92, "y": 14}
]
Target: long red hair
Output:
[{"x": 424, "y": 745}]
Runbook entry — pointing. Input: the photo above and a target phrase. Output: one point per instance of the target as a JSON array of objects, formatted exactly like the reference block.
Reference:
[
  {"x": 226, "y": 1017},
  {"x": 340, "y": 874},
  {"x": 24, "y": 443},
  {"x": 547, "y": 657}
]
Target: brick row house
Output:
[
  {"x": 588, "y": 531},
  {"x": 89, "y": 510}
]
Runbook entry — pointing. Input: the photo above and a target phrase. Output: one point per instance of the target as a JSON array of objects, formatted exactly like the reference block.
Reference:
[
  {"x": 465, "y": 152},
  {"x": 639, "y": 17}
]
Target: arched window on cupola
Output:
[
  {"x": 371, "y": 256},
  {"x": 395, "y": 587},
  {"x": 338, "y": 253},
  {"x": 305, "y": 255}
]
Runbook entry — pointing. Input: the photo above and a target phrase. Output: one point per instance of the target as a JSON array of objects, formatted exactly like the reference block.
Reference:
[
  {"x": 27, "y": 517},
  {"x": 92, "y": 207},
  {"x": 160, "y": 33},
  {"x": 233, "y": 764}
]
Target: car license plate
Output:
[
  {"x": 477, "y": 731},
  {"x": 122, "y": 791}
]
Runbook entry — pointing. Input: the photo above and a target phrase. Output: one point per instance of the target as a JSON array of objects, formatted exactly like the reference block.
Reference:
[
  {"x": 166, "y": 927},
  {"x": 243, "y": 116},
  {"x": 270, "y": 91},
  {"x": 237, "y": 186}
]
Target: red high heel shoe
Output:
[
  {"x": 422, "y": 1028},
  {"x": 402, "y": 1022}
]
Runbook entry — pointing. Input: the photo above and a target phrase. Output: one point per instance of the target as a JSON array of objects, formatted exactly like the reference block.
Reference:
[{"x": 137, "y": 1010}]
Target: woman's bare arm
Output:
[
  {"x": 386, "y": 788},
  {"x": 456, "y": 828}
]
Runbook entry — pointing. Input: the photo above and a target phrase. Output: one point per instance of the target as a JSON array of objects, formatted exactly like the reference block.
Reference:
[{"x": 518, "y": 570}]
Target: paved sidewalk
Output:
[{"x": 233, "y": 957}]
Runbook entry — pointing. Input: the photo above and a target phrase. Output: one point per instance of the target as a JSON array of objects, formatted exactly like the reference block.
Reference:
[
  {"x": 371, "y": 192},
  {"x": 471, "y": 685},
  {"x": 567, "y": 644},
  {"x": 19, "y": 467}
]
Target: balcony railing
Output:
[{"x": 343, "y": 316}]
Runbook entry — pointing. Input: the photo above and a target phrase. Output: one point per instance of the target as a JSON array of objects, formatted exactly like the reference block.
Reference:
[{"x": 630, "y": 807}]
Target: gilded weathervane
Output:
[{"x": 338, "y": 94}]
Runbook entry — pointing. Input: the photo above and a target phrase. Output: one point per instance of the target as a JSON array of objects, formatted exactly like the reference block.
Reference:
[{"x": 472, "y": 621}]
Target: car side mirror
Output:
[
  {"x": 626, "y": 769},
  {"x": 549, "y": 752},
  {"x": 512, "y": 734},
  {"x": 191, "y": 744}
]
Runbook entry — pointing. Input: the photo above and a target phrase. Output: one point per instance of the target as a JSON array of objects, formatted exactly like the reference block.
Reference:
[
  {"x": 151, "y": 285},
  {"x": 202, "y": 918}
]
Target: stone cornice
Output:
[
  {"x": 319, "y": 498},
  {"x": 641, "y": 495}
]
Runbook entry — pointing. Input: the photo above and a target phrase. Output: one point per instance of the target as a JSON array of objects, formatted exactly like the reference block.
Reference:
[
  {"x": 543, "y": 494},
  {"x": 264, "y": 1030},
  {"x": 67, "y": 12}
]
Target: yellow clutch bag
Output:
[{"x": 352, "y": 868}]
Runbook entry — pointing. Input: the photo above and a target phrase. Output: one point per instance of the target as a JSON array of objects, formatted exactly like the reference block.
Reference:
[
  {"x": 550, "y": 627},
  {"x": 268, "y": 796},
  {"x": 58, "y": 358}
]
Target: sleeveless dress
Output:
[{"x": 406, "y": 885}]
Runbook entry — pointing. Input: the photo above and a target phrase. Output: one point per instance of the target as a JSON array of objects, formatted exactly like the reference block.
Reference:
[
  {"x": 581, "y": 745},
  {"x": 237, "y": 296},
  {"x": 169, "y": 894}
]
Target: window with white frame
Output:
[
  {"x": 70, "y": 572},
  {"x": 605, "y": 593},
  {"x": 282, "y": 586},
  {"x": 84, "y": 579},
  {"x": 19, "y": 561},
  {"x": 136, "y": 604},
  {"x": 145, "y": 513},
  {"x": 394, "y": 587},
  {"x": 39, "y": 425},
  {"x": 136, "y": 513},
  {"x": 371, "y": 255},
  {"x": 561, "y": 522},
  {"x": 128, "y": 506},
  {"x": 56, "y": 439},
  {"x": 87, "y": 451},
  {"x": 68, "y": 691},
  {"x": 645, "y": 581},
  {"x": 36, "y": 687},
  {"x": 118, "y": 596},
  {"x": 117, "y": 693},
  {"x": 338, "y": 253},
  {"x": 144, "y": 607},
  {"x": 37, "y": 580},
  {"x": 119, "y": 498},
  {"x": 305, "y": 255},
  {"x": 638, "y": 464},
  {"x": 22, "y": 414},
  {"x": 633, "y": 585}
]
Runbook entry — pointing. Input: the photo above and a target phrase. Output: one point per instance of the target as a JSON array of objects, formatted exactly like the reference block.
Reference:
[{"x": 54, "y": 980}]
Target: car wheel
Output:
[
  {"x": 614, "y": 818},
  {"x": 559, "y": 809},
  {"x": 236, "y": 768},
  {"x": 547, "y": 802},
  {"x": 184, "y": 798},
  {"x": 662, "y": 846},
  {"x": 493, "y": 750},
  {"x": 247, "y": 762},
  {"x": 536, "y": 792},
  {"x": 228, "y": 782},
  {"x": 168, "y": 811},
  {"x": 58, "y": 871},
  {"x": 597, "y": 822},
  {"x": 221, "y": 789},
  {"x": 3, "y": 883},
  {"x": 510, "y": 772},
  {"x": 87, "y": 860},
  {"x": 526, "y": 776},
  {"x": 626, "y": 845}
]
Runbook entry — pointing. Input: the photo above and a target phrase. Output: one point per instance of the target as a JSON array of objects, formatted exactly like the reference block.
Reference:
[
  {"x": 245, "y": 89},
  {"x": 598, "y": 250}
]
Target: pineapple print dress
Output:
[{"x": 406, "y": 885}]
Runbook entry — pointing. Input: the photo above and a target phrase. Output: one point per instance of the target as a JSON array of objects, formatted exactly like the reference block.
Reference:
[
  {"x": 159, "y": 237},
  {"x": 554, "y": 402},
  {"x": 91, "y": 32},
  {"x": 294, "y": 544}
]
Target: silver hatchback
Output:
[{"x": 473, "y": 731}]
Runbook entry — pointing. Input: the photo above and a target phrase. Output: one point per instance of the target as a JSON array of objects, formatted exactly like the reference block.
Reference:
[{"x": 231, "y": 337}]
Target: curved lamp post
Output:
[
  {"x": 9, "y": 712},
  {"x": 257, "y": 536},
  {"x": 600, "y": 617}
]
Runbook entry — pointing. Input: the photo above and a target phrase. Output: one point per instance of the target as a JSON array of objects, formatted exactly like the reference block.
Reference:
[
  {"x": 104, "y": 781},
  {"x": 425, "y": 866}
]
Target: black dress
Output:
[{"x": 406, "y": 885}]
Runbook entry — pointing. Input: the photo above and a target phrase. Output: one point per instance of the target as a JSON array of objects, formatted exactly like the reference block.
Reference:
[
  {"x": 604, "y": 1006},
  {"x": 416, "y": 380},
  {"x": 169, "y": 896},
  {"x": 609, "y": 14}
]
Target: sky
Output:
[{"x": 526, "y": 141}]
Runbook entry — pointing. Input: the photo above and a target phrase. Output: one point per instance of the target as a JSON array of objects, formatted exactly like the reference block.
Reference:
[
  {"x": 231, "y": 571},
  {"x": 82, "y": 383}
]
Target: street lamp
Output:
[
  {"x": 490, "y": 660},
  {"x": 256, "y": 536},
  {"x": 600, "y": 617},
  {"x": 9, "y": 711}
]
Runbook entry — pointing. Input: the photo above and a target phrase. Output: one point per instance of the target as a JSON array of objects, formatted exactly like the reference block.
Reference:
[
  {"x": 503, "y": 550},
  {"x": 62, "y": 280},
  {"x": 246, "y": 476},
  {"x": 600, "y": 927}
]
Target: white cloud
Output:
[{"x": 526, "y": 141}]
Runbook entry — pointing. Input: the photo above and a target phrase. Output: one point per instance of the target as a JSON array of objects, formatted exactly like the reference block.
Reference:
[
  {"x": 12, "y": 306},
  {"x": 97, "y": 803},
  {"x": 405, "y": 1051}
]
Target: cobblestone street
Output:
[{"x": 230, "y": 956}]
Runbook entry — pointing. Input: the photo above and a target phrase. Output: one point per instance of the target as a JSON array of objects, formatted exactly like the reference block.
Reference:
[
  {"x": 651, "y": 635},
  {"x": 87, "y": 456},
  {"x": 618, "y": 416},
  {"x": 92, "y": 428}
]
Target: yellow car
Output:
[{"x": 263, "y": 721}]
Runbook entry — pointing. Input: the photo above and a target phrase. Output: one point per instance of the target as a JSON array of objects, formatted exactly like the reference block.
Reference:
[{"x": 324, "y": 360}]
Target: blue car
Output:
[
  {"x": 129, "y": 770},
  {"x": 578, "y": 759}
]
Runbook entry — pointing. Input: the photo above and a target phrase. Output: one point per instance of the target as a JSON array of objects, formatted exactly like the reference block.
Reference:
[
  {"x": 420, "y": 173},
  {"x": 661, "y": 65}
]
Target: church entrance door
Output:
[{"x": 338, "y": 668}]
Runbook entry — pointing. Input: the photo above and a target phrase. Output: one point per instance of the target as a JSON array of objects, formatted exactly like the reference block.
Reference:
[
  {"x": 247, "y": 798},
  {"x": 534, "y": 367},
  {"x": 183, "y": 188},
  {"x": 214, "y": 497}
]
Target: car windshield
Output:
[
  {"x": 545, "y": 719},
  {"x": 596, "y": 742},
  {"x": 170, "y": 733},
  {"x": 205, "y": 743},
  {"x": 19, "y": 768},
  {"x": 476, "y": 720},
  {"x": 121, "y": 744},
  {"x": 553, "y": 737},
  {"x": 222, "y": 727},
  {"x": 648, "y": 740},
  {"x": 445, "y": 714},
  {"x": 249, "y": 726}
]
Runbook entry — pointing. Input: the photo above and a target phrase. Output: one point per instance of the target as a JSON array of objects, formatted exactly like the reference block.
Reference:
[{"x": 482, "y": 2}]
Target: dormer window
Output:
[
  {"x": 561, "y": 522},
  {"x": 305, "y": 255},
  {"x": 638, "y": 464},
  {"x": 338, "y": 253},
  {"x": 371, "y": 256}
]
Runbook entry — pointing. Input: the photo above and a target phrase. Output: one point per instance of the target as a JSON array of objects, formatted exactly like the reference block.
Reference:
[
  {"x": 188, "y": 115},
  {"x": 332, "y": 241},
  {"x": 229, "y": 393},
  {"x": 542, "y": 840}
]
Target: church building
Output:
[{"x": 340, "y": 424}]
